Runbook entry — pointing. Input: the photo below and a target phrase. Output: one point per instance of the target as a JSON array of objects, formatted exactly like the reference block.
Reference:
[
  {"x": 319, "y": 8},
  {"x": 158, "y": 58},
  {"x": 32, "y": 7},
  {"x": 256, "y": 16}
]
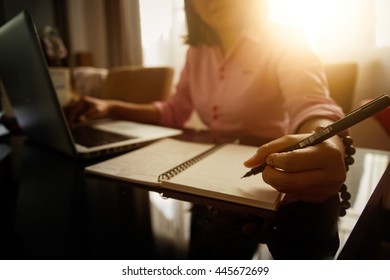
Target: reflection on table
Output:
[{"x": 365, "y": 230}]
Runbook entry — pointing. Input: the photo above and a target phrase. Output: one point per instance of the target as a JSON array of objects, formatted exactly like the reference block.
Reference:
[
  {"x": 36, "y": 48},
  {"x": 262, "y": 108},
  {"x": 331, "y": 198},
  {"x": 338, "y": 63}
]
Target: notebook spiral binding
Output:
[{"x": 183, "y": 166}]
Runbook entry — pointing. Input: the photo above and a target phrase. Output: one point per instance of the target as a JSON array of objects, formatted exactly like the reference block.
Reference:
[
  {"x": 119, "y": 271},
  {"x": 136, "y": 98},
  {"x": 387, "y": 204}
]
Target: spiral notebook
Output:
[{"x": 207, "y": 170}]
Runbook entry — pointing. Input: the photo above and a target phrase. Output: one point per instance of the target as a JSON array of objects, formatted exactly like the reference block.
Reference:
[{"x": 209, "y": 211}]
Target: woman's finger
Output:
[
  {"x": 309, "y": 158},
  {"x": 73, "y": 110},
  {"x": 274, "y": 146}
]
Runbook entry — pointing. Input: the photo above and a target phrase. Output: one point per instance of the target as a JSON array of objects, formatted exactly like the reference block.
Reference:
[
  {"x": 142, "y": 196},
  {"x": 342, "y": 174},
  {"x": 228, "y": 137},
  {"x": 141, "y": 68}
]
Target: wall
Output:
[
  {"x": 41, "y": 10},
  {"x": 87, "y": 29}
]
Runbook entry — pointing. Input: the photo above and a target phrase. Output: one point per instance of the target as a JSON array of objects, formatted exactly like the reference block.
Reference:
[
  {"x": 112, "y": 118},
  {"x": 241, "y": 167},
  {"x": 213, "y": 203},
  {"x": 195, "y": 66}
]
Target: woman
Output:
[{"x": 244, "y": 76}]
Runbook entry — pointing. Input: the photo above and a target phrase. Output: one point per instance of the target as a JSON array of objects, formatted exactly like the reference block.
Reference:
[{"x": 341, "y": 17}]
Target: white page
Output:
[
  {"x": 219, "y": 176},
  {"x": 146, "y": 164}
]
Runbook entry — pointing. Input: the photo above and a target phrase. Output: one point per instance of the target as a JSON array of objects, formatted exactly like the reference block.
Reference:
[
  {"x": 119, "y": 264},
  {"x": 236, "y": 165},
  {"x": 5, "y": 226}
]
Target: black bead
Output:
[
  {"x": 345, "y": 195},
  {"x": 348, "y": 141},
  {"x": 343, "y": 188},
  {"x": 349, "y": 160},
  {"x": 345, "y": 204},
  {"x": 350, "y": 150}
]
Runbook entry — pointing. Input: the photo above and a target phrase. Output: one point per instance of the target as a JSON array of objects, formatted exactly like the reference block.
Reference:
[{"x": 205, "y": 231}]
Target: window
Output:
[{"x": 163, "y": 27}]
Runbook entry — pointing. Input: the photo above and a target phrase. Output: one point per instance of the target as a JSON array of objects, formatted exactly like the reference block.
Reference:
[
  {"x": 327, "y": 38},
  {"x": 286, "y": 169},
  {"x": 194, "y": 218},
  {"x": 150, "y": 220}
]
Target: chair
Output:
[
  {"x": 138, "y": 84},
  {"x": 341, "y": 80}
]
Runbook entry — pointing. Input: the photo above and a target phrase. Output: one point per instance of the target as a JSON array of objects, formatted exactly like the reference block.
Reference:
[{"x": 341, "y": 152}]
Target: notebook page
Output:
[
  {"x": 219, "y": 176},
  {"x": 146, "y": 164}
]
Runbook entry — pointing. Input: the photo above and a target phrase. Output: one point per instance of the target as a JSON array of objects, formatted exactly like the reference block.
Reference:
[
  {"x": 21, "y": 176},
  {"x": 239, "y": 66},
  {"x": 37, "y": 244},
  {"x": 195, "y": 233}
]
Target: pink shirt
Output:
[{"x": 264, "y": 86}]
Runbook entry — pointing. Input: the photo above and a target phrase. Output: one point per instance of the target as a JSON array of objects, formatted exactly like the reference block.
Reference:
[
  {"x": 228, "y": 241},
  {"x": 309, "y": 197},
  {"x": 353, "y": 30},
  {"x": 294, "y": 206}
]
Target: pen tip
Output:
[{"x": 247, "y": 175}]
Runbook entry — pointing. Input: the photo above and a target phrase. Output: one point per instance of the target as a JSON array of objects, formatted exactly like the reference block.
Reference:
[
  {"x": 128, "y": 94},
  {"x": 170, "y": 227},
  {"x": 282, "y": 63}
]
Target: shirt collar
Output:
[{"x": 252, "y": 35}]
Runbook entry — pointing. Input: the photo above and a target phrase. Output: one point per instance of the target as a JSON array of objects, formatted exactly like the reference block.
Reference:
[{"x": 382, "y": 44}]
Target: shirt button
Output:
[
  {"x": 215, "y": 112},
  {"x": 222, "y": 73}
]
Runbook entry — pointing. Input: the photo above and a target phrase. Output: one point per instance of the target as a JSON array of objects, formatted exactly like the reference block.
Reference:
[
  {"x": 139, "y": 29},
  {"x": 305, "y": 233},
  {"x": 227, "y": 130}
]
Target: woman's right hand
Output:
[{"x": 86, "y": 108}]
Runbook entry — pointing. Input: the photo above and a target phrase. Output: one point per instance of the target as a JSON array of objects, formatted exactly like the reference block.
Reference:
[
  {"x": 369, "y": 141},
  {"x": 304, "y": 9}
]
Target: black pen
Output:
[{"x": 321, "y": 135}]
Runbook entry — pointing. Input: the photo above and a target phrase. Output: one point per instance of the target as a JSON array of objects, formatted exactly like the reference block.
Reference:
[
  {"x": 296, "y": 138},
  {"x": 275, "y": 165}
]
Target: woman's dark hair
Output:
[{"x": 200, "y": 33}]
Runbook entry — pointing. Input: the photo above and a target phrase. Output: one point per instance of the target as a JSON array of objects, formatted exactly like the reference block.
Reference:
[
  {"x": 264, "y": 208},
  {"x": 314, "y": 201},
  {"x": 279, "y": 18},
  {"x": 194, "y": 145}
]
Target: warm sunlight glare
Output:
[{"x": 323, "y": 21}]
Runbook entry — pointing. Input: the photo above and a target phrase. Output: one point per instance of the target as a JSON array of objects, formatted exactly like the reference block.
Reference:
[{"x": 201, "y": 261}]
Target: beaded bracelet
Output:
[{"x": 345, "y": 196}]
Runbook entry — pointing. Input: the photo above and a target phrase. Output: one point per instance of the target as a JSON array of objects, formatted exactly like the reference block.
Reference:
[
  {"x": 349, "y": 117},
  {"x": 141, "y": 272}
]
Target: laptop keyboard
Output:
[{"x": 90, "y": 137}]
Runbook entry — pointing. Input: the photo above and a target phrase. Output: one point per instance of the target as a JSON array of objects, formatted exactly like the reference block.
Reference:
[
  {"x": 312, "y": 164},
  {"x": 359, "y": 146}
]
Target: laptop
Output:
[{"x": 28, "y": 84}]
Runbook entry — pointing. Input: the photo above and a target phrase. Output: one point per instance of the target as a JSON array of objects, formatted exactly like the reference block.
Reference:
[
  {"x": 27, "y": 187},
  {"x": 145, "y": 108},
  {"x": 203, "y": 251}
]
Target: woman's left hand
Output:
[{"x": 311, "y": 174}]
